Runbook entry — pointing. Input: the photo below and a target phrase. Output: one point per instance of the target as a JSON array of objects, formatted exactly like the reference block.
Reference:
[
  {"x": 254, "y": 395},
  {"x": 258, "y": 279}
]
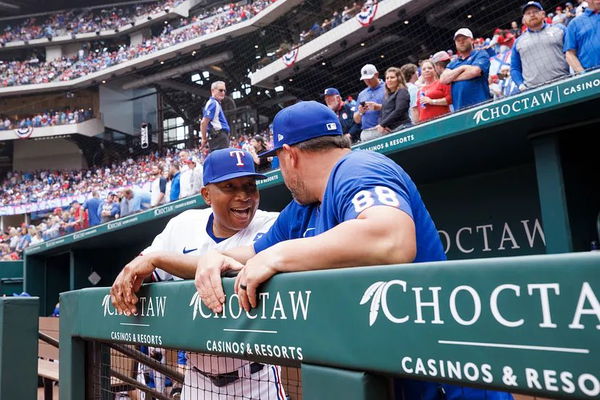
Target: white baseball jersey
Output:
[{"x": 187, "y": 234}]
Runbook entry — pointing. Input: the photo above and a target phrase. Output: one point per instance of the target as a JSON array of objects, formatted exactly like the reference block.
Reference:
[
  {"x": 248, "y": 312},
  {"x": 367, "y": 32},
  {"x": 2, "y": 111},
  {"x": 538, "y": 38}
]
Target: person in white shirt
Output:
[
  {"x": 185, "y": 177},
  {"x": 197, "y": 172},
  {"x": 232, "y": 220}
]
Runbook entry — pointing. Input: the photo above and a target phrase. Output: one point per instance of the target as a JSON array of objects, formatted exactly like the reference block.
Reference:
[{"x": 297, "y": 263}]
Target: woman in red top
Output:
[{"x": 433, "y": 98}]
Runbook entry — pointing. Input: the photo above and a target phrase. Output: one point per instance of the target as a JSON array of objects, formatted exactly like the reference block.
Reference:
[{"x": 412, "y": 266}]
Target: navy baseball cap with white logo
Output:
[
  {"x": 331, "y": 92},
  {"x": 303, "y": 121},
  {"x": 532, "y": 4},
  {"x": 222, "y": 165}
]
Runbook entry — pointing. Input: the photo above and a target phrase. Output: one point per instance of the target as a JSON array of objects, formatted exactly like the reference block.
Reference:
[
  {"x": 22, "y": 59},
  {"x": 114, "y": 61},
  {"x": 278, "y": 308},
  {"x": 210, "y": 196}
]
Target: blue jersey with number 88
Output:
[{"x": 360, "y": 180}]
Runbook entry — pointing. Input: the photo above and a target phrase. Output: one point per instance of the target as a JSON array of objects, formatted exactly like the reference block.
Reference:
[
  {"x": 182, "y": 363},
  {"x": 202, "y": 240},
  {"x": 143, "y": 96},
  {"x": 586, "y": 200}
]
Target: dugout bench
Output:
[{"x": 507, "y": 178}]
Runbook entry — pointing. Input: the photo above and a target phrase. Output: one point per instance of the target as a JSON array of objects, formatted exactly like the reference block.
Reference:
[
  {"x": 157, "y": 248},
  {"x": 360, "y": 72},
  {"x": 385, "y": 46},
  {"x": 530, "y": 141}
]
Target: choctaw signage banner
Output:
[{"x": 521, "y": 324}]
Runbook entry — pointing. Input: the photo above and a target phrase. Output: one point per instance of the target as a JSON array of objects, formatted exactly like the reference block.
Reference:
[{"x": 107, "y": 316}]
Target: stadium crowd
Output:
[
  {"x": 48, "y": 118},
  {"x": 545, "y": 48},
  {"x": 105, "y": 193},
  {"x": 80, "y": 21},
  {"x": 15, "y": 73}
]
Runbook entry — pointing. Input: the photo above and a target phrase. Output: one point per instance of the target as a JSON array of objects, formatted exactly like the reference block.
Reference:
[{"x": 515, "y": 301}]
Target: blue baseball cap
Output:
[
  {"x": 532, "y": 4},
  {"x": 303, "y": 121},
  {"x": 222, "y": 165},
  {"x": 331, "y": 91}
]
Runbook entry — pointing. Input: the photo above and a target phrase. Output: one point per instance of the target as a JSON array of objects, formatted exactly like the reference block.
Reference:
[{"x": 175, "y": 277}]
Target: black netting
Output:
[{"x": 148, "y": 372}]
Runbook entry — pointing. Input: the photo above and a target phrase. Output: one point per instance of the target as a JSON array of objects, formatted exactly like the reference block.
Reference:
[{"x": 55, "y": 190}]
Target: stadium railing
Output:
[
  {"x": 512, "y": 132},
  {"x": 263, "y": 18},
  {"x": 517, "y": 324}
]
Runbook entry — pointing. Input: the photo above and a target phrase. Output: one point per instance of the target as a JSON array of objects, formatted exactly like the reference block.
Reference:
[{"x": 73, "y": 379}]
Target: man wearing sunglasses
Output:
[{"x": 214, "y": 127}]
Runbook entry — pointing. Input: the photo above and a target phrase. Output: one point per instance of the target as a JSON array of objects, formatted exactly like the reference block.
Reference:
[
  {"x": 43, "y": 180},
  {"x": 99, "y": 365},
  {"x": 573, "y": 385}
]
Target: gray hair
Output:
[{"x": 215, "y": 83}]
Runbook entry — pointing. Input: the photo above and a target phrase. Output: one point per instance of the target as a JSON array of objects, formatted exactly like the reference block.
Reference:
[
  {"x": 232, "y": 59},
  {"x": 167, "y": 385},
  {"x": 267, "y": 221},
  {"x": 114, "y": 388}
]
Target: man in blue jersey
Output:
[
  {"x": 214, "y": 127},
  {"x": 340, "y": 197}
]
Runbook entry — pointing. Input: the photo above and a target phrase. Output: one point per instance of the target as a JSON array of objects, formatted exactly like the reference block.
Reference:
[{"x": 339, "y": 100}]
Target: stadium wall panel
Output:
[
  {"x": 34, "y": 155},
  {"x": 125, "y": 110}
]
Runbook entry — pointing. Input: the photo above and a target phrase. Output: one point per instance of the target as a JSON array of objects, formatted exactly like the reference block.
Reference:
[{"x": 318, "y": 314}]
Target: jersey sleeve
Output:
[
  {"x": 570, "y": 37},
  {"x": 368, "y": 185},
  {"x": 161, "y": 241},
  {"x": 278, "y": 232},
  {"x": 482, "y": 60},
  {"x": 209, "y": 110}
]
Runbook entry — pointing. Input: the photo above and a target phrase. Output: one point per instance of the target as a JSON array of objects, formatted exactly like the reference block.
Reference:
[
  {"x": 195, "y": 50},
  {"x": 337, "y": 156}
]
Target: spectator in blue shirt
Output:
[
  {"x": 468, "y": 73},
  {"x": 137, "y": 200},
  {"x": 175, "y": 186},
  {"x": 582, "y": 41},
  {"x": 369, "y": 103},
  {"x": 109, "y": 209},
  {"x": 92, "y": 206}
]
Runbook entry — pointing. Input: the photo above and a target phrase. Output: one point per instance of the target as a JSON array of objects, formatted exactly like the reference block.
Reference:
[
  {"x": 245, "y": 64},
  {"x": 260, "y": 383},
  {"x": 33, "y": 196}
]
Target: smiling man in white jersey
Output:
[{"x": 231, "y": 221}]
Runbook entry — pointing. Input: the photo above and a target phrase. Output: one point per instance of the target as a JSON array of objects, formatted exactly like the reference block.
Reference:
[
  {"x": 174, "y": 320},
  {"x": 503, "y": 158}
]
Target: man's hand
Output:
[
  {"x": 128, "y": 282},
  {"x": 372, "y": 106},
  {"x": 258, "y": 269},
  {"x": 382, "y": 129},
  {"x": 203, "y": 143},
  {"x": 208, "y": 278}
]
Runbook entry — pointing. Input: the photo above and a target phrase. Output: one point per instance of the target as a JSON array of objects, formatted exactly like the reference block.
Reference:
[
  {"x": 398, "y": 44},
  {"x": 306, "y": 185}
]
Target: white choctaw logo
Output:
[
  {"x": 378, "y": 291},
  {"x": 195, "y": 303},
  {"x": 106, "y": 304},
  {"x": 479, "y": 116}
]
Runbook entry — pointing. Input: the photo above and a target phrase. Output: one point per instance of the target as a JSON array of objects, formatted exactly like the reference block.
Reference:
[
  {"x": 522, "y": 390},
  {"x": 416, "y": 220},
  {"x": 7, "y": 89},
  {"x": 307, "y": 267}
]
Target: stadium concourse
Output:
[{"x": 156, "y": 88}]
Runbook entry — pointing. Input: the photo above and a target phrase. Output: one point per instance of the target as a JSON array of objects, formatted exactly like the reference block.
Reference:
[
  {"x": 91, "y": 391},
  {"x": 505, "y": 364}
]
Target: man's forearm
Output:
[
  {"x": 469, "y": 72},
  {"x": 573, "y": 61},
  {"x": 240, "y": 254},
  {"x": 182, "y": 266},
  {"x": 373, "y": 243},
  {"x": 203, "y": 126},
  {"x": 449, "y": 75}
]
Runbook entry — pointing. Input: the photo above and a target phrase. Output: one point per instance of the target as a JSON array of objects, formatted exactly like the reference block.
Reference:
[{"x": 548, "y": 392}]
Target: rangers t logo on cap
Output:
[
  {"x": 239, "y": 155},
  {"x": 218, "y": 166}
]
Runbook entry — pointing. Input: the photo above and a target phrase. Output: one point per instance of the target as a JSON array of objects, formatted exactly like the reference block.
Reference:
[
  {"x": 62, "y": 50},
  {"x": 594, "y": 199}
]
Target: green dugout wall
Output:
[
  {"x": 518, "y": 324},
  {"x": 11, "y": 277},
  {"x": 513, "y": 177}
]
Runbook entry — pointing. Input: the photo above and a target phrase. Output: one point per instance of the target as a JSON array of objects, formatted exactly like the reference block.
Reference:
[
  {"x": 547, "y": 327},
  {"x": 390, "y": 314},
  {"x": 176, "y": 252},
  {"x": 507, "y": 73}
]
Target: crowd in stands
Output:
[
  {"x": 49, "y": 118},
  {"x": 105, "y": 193},
  {"x": 34, "y": 71},
  {"x": 80, "y": 21},
  {"x": 545, "y": 48}
]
